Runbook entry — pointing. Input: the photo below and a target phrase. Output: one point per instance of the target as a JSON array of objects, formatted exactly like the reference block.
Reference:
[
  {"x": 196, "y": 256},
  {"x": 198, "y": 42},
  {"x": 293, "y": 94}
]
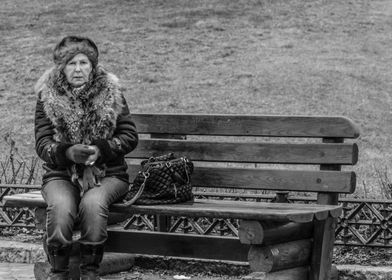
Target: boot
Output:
[
  {"x": 59, "y": 261},
  {"x": 91, "y": 257}
]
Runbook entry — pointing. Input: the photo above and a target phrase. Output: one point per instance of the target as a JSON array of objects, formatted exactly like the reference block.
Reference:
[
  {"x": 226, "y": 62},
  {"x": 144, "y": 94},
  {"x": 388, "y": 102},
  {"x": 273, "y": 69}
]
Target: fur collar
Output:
[{"x": 80, "y": 116}]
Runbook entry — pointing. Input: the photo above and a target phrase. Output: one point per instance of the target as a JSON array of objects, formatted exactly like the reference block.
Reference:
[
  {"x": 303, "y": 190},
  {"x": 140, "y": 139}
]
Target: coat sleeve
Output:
[
  {"x": 47, "y": 148},
  {"x": 125, "y": 137}
]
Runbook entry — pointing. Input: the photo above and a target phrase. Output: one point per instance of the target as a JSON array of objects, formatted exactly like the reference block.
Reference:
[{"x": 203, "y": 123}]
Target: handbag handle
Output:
[
  {"x": 145, "y": 174},
  {"x": 175, "y": 175}
]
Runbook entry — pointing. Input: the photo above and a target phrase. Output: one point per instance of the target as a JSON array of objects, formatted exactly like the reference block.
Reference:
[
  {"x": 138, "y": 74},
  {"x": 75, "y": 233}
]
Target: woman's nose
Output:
[{"x": 77, "y": 67}]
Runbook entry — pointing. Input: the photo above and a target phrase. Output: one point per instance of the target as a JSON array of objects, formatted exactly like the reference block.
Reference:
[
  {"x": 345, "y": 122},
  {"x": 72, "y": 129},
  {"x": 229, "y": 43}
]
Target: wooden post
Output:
[
  {"x": 324, "y": 237},
  {"x": 257, "y": 233},
  {"x": 163, "y": 223},
  {"x": 40, "y": 218},
  {"x": 334, "y": 273},
  {"x": 280, "y": 256},
  {"x": 328, "y": 198},
  {"x": 281, "y": 197},
  {"x": 324, "y": 231}
]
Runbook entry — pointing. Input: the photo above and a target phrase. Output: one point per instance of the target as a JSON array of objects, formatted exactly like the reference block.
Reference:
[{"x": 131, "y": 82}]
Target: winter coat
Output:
[{"x": 98, "y": 115}]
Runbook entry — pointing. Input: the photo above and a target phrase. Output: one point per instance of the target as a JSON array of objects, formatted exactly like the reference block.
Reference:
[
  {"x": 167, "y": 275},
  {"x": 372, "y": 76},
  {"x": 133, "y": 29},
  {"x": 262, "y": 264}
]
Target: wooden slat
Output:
[
  {"x": 35, "y": 199},
  {"x": 30, "y": 199},
  {"x": 211, "y": 208},
  {"x": 281, "y": 212},
  {"x": 250, "y": 125},
  {"x": 180, "y": 245},
  {"x": 250, "y": 152},
  {"x": 20, "y": 186},
  {"x": 269, "y": 179}
]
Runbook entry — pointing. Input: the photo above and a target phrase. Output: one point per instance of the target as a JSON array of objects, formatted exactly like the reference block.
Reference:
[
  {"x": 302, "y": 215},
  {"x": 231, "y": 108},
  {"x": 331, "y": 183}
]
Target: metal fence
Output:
[{"x": 364, "y": 222}]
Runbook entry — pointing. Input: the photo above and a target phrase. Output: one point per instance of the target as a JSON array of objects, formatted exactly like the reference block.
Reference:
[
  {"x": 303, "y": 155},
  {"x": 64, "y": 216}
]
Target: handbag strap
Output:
[{"x": 145, "y": 174}]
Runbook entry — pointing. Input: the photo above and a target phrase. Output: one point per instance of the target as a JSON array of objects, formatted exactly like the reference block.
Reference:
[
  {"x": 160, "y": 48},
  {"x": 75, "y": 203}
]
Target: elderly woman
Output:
[{"x": 83, "y": 129}]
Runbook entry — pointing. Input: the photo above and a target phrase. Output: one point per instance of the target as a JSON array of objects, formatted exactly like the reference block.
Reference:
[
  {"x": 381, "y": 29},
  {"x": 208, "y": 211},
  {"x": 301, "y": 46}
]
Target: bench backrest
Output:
[{"x": 285, "y": 153}]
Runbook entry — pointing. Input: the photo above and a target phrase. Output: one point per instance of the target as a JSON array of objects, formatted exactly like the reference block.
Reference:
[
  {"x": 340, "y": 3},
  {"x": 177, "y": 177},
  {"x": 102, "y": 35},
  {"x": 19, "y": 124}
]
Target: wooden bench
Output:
[{"x": 244, "y": 153}]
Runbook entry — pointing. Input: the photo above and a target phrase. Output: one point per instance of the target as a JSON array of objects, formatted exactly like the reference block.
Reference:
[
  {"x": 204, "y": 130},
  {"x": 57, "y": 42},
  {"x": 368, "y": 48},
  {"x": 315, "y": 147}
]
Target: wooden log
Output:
[
  {"x": 255, "y": 232},
  {"x": 251, "y": 232},
  {"x": 280, "y": 256},
  {"x": 297, "y": 273}
]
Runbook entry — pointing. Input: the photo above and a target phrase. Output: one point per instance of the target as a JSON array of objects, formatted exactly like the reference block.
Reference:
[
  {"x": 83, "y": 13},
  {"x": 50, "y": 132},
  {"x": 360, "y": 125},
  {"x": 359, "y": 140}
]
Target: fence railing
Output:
[{"x": 364, "y": 222}]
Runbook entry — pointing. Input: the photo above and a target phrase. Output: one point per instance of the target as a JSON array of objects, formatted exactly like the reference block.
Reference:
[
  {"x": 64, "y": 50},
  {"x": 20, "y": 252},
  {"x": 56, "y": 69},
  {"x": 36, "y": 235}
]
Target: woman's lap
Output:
[{"x": 65, "y": 204}]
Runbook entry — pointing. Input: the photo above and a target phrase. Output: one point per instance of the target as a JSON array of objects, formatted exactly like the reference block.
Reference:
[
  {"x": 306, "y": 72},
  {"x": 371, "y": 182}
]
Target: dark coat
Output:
[{"x": 52, "y": 136}]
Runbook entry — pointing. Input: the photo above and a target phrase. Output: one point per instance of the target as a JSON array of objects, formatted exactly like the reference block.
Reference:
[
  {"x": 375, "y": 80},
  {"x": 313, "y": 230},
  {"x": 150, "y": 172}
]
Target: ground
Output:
[{"x": 160, "y": 268}]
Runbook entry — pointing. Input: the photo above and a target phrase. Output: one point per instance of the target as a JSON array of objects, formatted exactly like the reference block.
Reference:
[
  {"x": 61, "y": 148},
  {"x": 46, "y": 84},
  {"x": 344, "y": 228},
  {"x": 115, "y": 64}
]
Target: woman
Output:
[{"x": 83, "y": 129}]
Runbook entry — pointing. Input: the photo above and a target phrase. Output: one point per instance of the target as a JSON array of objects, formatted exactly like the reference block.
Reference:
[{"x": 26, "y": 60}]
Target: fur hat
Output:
[{"x": 73, "y": 45}]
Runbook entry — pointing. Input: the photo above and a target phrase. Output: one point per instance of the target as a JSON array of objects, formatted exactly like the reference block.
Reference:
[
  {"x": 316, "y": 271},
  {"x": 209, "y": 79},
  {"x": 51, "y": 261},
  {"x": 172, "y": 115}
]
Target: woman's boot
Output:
[
  {"x": 91, "y": 257},
  {"x": 59, "y": 261}
]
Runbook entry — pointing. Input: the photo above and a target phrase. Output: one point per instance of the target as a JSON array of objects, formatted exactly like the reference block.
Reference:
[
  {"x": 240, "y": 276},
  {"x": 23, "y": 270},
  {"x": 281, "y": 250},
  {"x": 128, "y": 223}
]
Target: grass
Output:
[{"x": 218, "y": 56}]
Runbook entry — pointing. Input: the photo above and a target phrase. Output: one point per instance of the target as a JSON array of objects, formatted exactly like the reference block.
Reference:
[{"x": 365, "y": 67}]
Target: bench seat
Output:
[{"x": 280, "y": 212}]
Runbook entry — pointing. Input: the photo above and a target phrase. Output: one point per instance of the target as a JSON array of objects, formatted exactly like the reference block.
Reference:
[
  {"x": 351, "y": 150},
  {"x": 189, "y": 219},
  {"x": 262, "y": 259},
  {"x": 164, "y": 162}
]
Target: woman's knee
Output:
[
  {"x": 62, "y": 210},
  {"x": 60, "y": 192},
  {"x": 94, "y": 203},
  {"x": 61, "y": 199}
]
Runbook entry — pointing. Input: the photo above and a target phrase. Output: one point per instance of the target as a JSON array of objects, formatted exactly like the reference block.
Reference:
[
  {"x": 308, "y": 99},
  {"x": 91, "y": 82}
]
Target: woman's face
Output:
[{"x": 77, "y": 70}]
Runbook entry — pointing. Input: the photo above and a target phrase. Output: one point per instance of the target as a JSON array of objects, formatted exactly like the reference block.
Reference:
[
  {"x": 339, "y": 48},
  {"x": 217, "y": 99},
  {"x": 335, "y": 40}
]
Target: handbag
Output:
[{"x": 163, "y": 179}]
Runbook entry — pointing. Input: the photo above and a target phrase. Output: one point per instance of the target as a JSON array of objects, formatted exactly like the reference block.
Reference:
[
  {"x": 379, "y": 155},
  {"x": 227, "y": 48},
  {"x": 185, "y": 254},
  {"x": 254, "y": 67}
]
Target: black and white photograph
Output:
[{"x": 196, "y": 139}]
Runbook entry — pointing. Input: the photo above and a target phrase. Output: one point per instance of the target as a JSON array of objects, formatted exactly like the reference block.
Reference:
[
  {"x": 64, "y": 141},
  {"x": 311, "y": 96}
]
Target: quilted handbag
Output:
[{"x": 164, "y": 179}]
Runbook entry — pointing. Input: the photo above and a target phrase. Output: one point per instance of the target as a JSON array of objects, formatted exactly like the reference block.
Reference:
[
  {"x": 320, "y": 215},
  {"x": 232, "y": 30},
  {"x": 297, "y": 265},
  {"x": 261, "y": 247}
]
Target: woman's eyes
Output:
[{"x": 83, "y": 62}]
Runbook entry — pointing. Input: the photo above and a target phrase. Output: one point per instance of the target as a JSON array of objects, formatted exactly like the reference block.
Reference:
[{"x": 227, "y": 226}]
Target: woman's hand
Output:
[
  {"x": 79, "y": 153},
  {"x": 93, "y": 157}
]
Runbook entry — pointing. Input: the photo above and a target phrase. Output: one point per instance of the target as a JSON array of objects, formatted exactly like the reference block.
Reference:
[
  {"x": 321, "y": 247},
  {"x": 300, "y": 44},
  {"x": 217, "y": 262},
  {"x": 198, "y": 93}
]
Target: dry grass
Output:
[{"x": 218, "y": 56}]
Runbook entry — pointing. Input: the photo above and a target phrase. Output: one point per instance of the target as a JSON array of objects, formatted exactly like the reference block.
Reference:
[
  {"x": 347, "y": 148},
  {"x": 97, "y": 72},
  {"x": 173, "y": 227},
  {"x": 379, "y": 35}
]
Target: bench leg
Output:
[
  {"x": 324, "y": 238},
  {"x": 163, "y": 223}
]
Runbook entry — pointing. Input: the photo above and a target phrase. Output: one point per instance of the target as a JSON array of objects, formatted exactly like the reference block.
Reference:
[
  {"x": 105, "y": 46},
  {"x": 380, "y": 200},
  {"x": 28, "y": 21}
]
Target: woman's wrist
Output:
[
  {"x": 94, "y": 157},
  {"x": 105, "y": 151}
]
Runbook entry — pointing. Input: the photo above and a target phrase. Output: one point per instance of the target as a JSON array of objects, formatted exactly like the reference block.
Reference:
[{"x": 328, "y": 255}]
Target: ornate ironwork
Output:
[
  {"x": 16, "y": 217},
  {"x": 364, "y": 222}
]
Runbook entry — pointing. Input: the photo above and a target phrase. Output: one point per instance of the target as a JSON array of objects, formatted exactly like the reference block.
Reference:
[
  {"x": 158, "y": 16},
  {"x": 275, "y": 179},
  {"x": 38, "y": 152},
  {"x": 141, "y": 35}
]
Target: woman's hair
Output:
[{"x": 70, "y": 46}]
